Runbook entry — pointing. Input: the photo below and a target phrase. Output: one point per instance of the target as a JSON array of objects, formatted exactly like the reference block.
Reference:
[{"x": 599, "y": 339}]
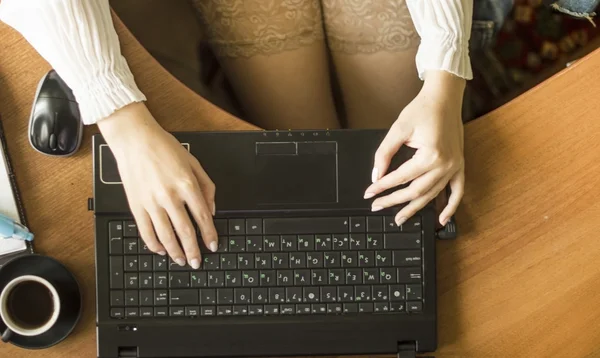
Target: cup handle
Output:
[{"x": 7, "y": 335}]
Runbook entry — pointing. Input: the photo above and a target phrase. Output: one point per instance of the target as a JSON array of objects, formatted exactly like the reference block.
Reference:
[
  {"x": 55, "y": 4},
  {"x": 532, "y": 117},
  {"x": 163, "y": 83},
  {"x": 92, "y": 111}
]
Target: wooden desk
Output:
[{"x": 523, "y": 280}]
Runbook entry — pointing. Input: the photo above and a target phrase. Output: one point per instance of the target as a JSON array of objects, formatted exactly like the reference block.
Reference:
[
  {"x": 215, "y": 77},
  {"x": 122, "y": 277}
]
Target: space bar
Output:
[{"x": 282, "y": 226}]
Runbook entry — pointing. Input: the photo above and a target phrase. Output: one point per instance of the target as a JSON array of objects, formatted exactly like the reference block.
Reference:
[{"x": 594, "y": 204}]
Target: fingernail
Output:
[
  {"x": 214, "y": 246},
  {"x": 195, "y": 263},
  {"x": 374, "y": 175},
  {"x": 214, "y": 209},
  {"x": 400, "y": 221},
  {"x": 180, "y": 261},
  {"x": 162, "y": 253},
  {"x": 369, "y": 195},
  {"x": 376, "y": 208}
]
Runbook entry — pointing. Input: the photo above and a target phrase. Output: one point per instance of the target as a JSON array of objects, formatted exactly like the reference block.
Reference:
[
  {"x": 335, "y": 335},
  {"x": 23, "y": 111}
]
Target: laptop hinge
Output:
[{"x": 407, "y": 350}]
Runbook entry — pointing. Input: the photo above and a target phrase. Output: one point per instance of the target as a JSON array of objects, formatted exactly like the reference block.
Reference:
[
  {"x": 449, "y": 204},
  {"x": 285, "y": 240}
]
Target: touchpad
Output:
[{"x": 296, "y": 173}]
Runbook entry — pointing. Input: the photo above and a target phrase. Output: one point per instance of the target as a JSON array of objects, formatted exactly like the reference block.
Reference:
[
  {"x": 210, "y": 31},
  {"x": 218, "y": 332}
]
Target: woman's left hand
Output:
[{"x": 432, "y": 124}]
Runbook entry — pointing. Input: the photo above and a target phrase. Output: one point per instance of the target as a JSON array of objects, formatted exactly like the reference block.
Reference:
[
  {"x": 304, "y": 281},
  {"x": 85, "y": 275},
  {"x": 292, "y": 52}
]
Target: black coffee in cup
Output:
[{"x": 30, "y": 304}]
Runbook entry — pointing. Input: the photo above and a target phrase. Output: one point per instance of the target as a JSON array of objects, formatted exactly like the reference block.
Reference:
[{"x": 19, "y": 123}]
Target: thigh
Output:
[
  {"x": 373, "y": 44},
  {"x": 275, "y": 58}
]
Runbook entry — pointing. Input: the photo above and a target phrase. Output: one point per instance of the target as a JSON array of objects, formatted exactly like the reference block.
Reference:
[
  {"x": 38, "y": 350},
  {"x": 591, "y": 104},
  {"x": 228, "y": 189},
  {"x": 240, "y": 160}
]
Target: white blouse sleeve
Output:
[
  {"x": 445, "y": 30},
  {"x": 78, "y": 39}
]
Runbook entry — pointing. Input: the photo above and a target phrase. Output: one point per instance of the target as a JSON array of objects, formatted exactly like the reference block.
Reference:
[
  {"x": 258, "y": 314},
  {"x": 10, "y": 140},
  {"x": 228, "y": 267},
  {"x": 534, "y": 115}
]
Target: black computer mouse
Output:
[{"x": 55, "y": 126}]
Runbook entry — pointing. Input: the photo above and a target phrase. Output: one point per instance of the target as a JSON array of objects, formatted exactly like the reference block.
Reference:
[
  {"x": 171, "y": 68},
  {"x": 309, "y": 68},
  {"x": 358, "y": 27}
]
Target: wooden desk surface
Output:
[{"x": 523, "y": 280}]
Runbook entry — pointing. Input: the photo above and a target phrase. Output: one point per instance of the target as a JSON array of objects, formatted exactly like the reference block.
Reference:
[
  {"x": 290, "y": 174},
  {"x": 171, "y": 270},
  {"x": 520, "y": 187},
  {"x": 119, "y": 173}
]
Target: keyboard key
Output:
[
  {"x": 302, "y": 277},
  {"x": 297, "y": 260},
  {"x": 402, "y": 240},
  {"x": 272, "y": 243},
  {"x": 323, "y": 242},
  {"x": 161, "y": 312},
  {"x": 314, "y": 259},
  {"x": 228, "y": 261},
  {"x": 336, "y": 277},
  {"x": 131, "y": 263},
  {"x": 345, "y": 293},
  {"x": 407, "y": 258},
  {"x": 414, "y": 307},
  {"x": 216, "y": 278},
  {"x": 353, "y": 276},
  {"x": 271, "y": 310},
  {"x": 409, "y": 275},
  {"x": 240, "y": 310},
  {"x": 237, "y": 227},
  {"x": 160, "y": 263},
  {"x": 160, "y": 280},
  {"x": 358, "y": 242},
  {"x": 146, "y": 298},
  {"x": 340, "y": 242},
  {"x": 245, "y": 261},
  {"x": 254, "y": 226},
  {"x": 287, "y": 309},
  {"x": 362, "y": 293},
  {"x": 365, "y": 308},
  {"x": 374, "y": 241},
  {"x": 146, "y": 280},
  {"x": 224, "y": 310},
  {"x": 397, "y": 293},
  {"x": 242, "y": 295},
  {"x": 260, "y": 295},
  {"x": 383, "y": 258},
  {"x": 160, "y": 297},
  {"x": 381, "y": 307},
  {"x": 131, "y": 312},
  {"x": 254, "y": 243},
  {"x": 277, "y": 295},
  {"x": 183, "y": 297},
  {"x": 131, "y": 280},
  {"x": 282, "y": 226},
  {"x": 131, "y": 246},
  {"x": 263, "y": 261},
  {"x": 357, "y": 224},
  {"x": 221, "y": 226},
  {"x": 328, "y": 294},
  {"x": 237, "y": 244},
  {"x": 311, "y": 294},
  {"x": 143, "y": 247},
  {"x": 223, "y": 245},
  {"x": 179, "y": 279},
  {"x": 145, "y": 263},
  {"x": 366, "y": 258},
  {"x": 192, "y": 311},
  {"x": 131, "y": 298},
  {"x": 225, "y": 296},
  {"x": 146, "y": 312},
  {"x": 319, "y": 308},
  {"x": 285, "y": 277},
  {"x": 306, "y": 242},
  {"x": 280, "y": 260},
  {"x": 117, "y": 312},
  {"x": 413, "y": 224},
  {"x": 116, "y": 272},
  {"x": 389, "y": 224},
  {"x": 208, "y": 296},
  {"x": 198, "y": 279},
  {"x": 268, "y": 278},
  {"x": 374, "y": 224},
  {"x": 413, "y": 292},
  {"x": 397, "y": 307},
  {"x": 210, "y": 262},
  {"x": 332, "y": 259},
  {"x": 380, "y": 293},
  {"x": 302, "y": 309},
  {"x": 233, "y": 278},
  {"x": 293, "y": 294},
  {"x": 334, "y": 308},
  {"x": 370, "y": 275},
  {"x": 350, "y": 307},
  {"x": 319, "y": 277},
  {"x": 349, "y": 259},
  {"x": 255, "y": 310},
  {"x": 130, "y": 229},
  {"x": 208, "y": 311},
  {"x": 116, "y": 298},
  {"x": 115, "y": 238},
  {"x": 288, "y": 242},
  {"x": 387, "y": 275},
  {"x": 250, "y": 278}
]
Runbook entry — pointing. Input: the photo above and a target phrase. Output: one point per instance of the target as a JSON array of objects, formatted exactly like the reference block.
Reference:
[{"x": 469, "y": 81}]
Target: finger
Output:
[
  {"x": 202, "y": 201},
  {"x": 206, "y": 186},
  {"x": 408, "y": 171},
  {"x": 144, "y": 225},
  {"x": 390, "y": 145},
  {"x": 457, "y": 186},
  {"x": 165, "y": 233},
  {"x": 186, "y": 232},
  {"x": 419, "y": 203},
  {"x": 417, "y": 188}
]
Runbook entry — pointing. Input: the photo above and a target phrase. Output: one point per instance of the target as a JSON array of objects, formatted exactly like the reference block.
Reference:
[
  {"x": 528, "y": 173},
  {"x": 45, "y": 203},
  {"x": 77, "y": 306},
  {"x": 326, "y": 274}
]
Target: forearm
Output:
[
  {"x": 78, "y": 39},
  {"x": 445, "y": 30}
]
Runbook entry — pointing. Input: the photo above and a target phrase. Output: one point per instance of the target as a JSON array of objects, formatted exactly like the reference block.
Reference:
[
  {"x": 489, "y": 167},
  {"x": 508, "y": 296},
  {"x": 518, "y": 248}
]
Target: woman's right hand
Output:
[{"x": 161, "y": 178}]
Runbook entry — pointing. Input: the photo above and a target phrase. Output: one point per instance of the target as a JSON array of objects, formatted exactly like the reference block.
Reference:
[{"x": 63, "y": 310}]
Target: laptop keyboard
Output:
[{"x": 274, "y": 266}]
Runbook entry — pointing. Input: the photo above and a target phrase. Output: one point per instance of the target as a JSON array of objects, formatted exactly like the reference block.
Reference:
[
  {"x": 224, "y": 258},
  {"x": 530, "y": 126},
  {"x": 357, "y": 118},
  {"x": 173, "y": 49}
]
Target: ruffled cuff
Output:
[{"x": 445, "y": 55}]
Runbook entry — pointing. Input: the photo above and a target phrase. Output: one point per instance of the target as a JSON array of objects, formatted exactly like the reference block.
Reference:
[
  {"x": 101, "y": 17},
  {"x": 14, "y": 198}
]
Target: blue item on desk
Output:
[{"x": 10, "y": 229}]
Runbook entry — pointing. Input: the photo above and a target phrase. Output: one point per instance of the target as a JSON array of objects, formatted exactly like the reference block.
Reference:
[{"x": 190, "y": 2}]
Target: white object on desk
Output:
[{"x": 8, "y": 207}]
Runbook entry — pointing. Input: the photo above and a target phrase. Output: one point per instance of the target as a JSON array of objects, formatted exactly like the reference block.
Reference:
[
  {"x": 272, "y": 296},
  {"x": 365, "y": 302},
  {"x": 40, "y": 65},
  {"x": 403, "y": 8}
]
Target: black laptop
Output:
[{"x": 303, "y": 268}]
